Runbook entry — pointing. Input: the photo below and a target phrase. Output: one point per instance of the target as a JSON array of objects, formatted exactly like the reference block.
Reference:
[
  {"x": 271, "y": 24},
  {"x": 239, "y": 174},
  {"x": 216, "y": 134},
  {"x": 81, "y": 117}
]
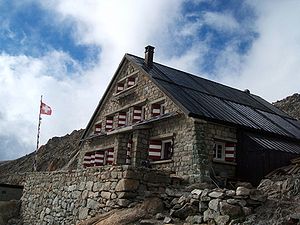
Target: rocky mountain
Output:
[
  {"x": 290, "y": 105},
  {"x": 58, "y": 153}
]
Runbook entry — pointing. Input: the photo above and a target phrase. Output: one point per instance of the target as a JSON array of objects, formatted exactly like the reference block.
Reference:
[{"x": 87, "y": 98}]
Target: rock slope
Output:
[
  {"x": 54, "y": 155},
  {"x": 290, "y": 105}
]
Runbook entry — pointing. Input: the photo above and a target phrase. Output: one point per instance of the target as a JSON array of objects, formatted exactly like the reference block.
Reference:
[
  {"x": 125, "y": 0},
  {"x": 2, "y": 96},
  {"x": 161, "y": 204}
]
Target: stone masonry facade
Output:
[
  {"x": 65, "y": 198},
  {"x": 192, "y": 139}
]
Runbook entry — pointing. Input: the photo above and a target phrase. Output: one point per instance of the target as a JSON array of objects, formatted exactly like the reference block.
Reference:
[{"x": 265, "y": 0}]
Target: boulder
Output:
[
  {"x": 214, "y": 204},
  {"x": 242, "y": 191},
  {"x": 127, "y": 185},
  {"x": 194, "y": 219},
  {"x": 184, "y": 211},
  {"x": 210, "y": 214},
  {"x": 216, "y": 194},
  {"x": 196, "y": 193},
  {"x": 233, "y": 211}
]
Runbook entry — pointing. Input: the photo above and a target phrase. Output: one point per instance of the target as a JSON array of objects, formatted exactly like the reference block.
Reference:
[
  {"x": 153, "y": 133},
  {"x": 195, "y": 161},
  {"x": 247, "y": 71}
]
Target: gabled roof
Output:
[
  {"x": 202, "y": 98},
  {"x": 205, "y": 99}
]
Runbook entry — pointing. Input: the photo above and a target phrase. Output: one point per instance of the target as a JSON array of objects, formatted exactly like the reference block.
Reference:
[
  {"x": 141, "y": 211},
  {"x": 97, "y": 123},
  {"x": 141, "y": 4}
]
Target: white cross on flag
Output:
[{"x": 45, "y": 109}]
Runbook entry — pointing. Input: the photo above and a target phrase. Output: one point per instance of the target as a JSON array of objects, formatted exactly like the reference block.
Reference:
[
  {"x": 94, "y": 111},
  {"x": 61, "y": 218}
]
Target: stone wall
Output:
[
  {"x": 182, "y": 129},
  {"x": 58, "y": 198},
  {"x": 145, "y": 90}
]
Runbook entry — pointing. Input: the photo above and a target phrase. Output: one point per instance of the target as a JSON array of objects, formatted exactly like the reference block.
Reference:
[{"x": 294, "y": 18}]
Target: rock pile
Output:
[{"x": 215, "y": 206}]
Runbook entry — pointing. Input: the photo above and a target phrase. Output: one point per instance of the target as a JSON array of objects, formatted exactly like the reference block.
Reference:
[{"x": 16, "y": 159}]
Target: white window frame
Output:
[
  {"x": 216, "y": 145},
  {"x": 163, "y": 142}
]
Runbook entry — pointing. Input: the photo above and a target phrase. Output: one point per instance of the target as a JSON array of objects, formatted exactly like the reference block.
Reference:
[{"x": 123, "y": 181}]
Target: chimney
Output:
[{"x": 149, "y": 51}]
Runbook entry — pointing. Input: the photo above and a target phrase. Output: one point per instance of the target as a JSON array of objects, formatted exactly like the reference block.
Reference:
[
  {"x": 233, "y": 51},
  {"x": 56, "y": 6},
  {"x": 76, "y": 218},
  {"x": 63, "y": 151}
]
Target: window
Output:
[
  {"x": 120, "y": 87},
  {"x": 160, "y": 149},
  {"x": 166, "y": 149},
  {"x": 109, "y": 123},
  {"x": 99, "y": 158},
  {"x": 219, "y": 150},
  {"x": 158, "y": 109},
  {"x": 225, "y": 151},
  {"x": 97, "y": 128},
  {"x": 130, "y": 81},
  {"x": 122, "y": 119},
  {"x": 137, "y": 114}
]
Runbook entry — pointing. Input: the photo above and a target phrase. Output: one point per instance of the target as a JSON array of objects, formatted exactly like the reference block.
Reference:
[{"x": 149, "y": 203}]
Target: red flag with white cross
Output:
[{"x": 45, "y": 109}]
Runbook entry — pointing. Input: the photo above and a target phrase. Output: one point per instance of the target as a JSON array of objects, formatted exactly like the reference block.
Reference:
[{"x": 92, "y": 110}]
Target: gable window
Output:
[
  {"x": 137, "y": 114},
  {"x": 131, "y": 81},
  {"x": 109, "y": 123},
  {"x": 120, "y": 87},
  {"x": 98, "y": 127},
  {"x": 224, "y": 151},
  {"x": 122, "y": 119},
  {"x": 160, "y": 149}
]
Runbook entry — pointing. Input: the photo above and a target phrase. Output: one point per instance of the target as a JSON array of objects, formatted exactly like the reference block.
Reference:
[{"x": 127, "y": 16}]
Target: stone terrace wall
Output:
[{"x": 61, "y": 198}]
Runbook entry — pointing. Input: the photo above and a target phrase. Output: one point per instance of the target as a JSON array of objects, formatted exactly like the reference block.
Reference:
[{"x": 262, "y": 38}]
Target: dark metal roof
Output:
[
  {"x": 274, "y": 144},
  {"x": 203, "y": 98}
]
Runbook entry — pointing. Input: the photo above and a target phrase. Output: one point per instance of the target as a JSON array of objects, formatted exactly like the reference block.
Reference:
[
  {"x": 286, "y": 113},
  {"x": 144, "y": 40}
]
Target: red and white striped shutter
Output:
[
  {"x": 155, "y": 149},
  {"x": 155, "y": 110},
  {"x": 97, "y": 128},
  {"x": 120, "y": 87},
  {"x": 109, "y": 123},
  {"x": 230, "y": 152},
  {"x": 87, "y": 159},
  {"x": 121, "y": 119},
  {"x": 137, "y": 114},
  {"x": 130, "y": 81},
  {"x": 99, "y": 158},
  {"x": 110, "y": 156}
]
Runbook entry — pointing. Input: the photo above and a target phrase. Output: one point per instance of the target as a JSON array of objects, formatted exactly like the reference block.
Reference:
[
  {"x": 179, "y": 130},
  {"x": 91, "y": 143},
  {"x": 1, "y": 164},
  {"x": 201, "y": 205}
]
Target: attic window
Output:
[
  {"x": 131, "y": 81},
  {"x": 109, "y": 123},
  {"x": 224, "y": 151},
  {"x": 120, "y": 87},
  {"x": 98, "y": 127}
]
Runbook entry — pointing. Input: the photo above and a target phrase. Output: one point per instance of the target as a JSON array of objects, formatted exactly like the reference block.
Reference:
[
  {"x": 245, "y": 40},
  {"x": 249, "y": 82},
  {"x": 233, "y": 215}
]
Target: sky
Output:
[{"x": 68, "y": 50}]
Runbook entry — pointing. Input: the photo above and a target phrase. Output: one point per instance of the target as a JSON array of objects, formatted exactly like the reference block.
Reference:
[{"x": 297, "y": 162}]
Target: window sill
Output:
[
  {"x": 161, "y": 161},
  {"x": 224, "y": 162}
]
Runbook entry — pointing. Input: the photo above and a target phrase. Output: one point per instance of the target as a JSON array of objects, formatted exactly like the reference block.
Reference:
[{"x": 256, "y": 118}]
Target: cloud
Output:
[
  {"x": 259, "y": 52},
  {"x": 221, "y": 21},
  {"x": 73, "y": 94},
  {"x": 271, "y": 68}
]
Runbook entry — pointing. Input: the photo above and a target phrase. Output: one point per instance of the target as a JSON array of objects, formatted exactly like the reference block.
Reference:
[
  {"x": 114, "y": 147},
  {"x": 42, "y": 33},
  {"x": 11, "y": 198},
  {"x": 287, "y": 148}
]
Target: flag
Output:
[{"x": 45, "y": 109}]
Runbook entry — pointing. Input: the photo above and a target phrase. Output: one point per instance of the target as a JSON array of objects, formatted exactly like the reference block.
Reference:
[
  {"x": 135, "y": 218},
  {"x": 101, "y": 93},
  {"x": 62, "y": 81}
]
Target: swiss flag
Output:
[{"x": 45, "y": 109}]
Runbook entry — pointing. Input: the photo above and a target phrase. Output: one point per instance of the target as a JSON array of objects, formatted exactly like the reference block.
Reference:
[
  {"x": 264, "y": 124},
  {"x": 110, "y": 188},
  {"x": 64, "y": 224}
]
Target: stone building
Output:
[{"x": 154, "y": 115}]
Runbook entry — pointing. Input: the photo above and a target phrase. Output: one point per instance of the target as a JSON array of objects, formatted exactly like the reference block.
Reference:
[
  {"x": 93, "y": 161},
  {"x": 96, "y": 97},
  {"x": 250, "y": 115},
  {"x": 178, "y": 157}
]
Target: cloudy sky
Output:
[{"x": 68, "y": 51}]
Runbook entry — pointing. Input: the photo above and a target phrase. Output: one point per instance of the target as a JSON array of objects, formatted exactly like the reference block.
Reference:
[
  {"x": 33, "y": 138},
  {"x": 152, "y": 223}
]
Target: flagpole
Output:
[{"x": 38, "y": 137}]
